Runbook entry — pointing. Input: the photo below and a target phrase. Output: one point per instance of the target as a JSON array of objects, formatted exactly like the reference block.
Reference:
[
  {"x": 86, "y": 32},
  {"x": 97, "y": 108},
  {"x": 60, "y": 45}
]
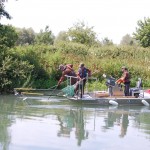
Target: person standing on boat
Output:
[
  {"x": 125, "y": 78},
  {"x": 67, "y": 70},
  {"x": 82, "y": 74}
]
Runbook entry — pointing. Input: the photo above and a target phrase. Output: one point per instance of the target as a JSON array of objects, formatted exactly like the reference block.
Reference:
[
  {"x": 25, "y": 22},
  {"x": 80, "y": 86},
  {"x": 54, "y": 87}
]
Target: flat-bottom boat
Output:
[{"x": 115, "y": 97}]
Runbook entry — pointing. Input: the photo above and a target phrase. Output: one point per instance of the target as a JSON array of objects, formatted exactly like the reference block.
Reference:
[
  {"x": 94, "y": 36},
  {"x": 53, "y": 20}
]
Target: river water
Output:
[{"x": 56, "y": 124}]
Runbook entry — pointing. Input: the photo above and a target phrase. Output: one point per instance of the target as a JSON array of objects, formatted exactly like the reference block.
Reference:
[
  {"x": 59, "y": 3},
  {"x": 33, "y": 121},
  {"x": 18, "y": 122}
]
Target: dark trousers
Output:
[
  {"x": 126, "y": 89},
  {"x": 80, "y": 87}
]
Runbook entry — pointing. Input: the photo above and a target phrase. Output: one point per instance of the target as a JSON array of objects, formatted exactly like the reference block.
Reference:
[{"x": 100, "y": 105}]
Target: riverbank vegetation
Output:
[{"x": 36, "y": 65}]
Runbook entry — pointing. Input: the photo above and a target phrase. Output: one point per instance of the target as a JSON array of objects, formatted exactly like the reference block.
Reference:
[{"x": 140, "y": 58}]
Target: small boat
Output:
[
  {"x": 103, "y": 98},
  {"x": 111, "y": 100},
  {"x": 36, "y": 92},
  {"x": 114, "y": 96}
]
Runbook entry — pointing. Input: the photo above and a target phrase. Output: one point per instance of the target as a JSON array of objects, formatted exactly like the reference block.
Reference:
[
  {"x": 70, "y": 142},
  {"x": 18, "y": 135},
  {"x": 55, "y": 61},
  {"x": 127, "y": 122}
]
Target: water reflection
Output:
[
  {"x": 6, "y": 119},
  {"x": 118, "y": 119},
  {"x": 71, "y": 122},
  {"x": 124, "y": 125},
  {"x": 76, "y": 119},
  {"x": 80, "y": 131}
]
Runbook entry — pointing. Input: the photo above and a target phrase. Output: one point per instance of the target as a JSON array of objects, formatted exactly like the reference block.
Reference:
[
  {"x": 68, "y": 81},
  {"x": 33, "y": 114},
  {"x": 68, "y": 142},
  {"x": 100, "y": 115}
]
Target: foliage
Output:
[
  {"x": 45, "y": 37},
  {"x": 3, "y": 12},
  {"x": 42, "y": 83},
  {"x": 128, "y": 40},
  {"x": 104, "y": 59},
  {"x": 96, "y": 85},
  {"x": 34, "y": 57},
  {"x": 62, "y": 36},
  {"x": 143, "y": 32},
  {"x": 45, "y": 60},
  {"x": 25, "y": 36},
  {"x": 12, "y": 72},
  {"x": 80, "y": 33},
  {"x": 106, "y": 41},
  {"x": 8, "y": 36},
  {"x": 73, "y": 48}
]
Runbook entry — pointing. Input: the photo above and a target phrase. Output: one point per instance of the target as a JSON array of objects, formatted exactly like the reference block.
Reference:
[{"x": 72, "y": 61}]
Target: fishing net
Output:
[{"x": 69, "y": 90}]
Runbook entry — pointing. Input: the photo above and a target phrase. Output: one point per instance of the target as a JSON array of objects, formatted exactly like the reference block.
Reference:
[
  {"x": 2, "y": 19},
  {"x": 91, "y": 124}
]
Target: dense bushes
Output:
[
  {"x": 37, "y": 65},
  {"x": 105, "y": 59}
]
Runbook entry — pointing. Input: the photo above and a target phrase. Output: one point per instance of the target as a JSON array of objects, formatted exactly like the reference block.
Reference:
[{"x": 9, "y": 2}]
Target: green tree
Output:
[
  {"x": 12, "y": 70},
  {"x": 80, "y": 33},
  {"x": 45, "y": 37},
  {"x": 8, "y": 38},
  {"x": 142, "y": 34},
  {"x": 3, "y": 12},
  {"x": 25, "y": 36}
]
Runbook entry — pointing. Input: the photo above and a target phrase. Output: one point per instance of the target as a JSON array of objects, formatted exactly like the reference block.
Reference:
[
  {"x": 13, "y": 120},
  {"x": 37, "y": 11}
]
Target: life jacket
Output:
[
  {"x": 69, "y": 66},
  {"x": 84, "y": 72},
  {"x": 127, "y": 78},
  {"x": 71, "y": 72}
]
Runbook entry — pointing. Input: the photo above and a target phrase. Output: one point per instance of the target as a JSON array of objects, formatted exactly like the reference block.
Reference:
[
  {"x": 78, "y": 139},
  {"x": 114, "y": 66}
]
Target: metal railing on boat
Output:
[{"x": 86, "y": 86}]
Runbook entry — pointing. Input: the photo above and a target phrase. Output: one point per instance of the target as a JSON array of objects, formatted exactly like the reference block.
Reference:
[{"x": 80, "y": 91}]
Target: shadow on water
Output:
[{"x": 78, "y": 120}]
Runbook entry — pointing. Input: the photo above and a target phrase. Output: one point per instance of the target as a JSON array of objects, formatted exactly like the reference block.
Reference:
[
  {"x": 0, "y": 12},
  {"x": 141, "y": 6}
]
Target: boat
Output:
[
  {"x": 37, "y": 92},
  {"x": 113, "y": 100},
  {"x": 114, "y": 95},
  {"x": 103, "y": 98}
]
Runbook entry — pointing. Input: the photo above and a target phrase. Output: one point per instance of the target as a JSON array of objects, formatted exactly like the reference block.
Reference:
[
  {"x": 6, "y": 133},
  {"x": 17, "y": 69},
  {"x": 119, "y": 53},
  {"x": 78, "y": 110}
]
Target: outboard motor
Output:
[
  {"x": 110, "y": 83},
  {"x": 136, "y": 90},
  {"x": 113, "y": 88}
]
